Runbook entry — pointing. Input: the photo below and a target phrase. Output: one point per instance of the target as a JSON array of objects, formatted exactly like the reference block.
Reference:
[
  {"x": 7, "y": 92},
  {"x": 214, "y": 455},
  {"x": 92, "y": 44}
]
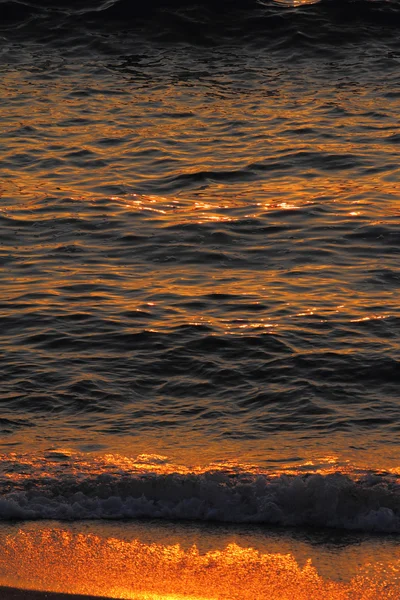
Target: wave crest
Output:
[{"x": 371, "y": 503}]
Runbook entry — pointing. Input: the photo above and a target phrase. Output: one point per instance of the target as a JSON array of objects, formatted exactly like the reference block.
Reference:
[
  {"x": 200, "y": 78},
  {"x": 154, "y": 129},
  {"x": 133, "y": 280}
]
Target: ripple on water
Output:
[{"x": 200, "y": 246}]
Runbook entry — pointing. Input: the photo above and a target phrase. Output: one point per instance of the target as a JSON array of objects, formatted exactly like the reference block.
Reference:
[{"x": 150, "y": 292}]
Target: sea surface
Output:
[{"x": 200, "y": 262}]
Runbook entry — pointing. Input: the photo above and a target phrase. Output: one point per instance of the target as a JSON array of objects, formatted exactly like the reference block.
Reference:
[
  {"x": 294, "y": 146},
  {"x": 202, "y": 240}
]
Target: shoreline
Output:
[
  {"x": 148, "y": 560},
  {"x": 12, "y": 593}
]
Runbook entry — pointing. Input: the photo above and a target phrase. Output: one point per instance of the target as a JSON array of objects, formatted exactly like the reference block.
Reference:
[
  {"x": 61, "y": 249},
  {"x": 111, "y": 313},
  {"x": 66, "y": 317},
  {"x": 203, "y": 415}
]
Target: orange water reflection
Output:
[
  {"x": 20, "y": 467},
  {"x": 61, "y": 560}
]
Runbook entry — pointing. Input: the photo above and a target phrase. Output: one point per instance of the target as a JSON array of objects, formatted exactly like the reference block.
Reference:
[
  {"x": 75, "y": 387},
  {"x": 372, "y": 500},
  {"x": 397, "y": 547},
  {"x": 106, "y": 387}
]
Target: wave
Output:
[
  {"x": 370, "y": 502},
  {"x": 303, "y": 23}
]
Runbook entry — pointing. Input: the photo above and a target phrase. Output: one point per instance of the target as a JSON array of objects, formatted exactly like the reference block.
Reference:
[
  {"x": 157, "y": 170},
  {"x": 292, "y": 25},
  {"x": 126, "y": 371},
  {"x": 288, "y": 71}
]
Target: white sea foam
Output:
[{"x": 371, "y": 503}]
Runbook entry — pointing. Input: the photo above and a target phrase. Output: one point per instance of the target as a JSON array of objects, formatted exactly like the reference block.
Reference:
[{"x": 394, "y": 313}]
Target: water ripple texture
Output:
[{"x": 199, "y": 231}]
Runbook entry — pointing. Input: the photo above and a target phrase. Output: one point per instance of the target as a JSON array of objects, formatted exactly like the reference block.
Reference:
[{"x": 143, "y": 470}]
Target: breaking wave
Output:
[{"x": 370, "y": 502}]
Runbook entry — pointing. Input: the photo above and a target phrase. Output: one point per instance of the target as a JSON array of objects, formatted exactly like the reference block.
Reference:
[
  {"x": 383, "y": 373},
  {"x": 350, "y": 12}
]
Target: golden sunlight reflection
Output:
[
  {"x": 371, "y": 318},
  {"x": 295, "y": 3},
  {"x": 217, "y": 202},
  {"x": 17, "y": 468},
  {"x": 165, "y": 455},
  {"x": 65, "y": 560}
]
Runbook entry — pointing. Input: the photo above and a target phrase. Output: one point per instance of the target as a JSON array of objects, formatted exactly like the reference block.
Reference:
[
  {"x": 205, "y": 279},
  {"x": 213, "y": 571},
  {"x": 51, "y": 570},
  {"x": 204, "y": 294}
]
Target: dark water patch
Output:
[
  {"x": 111, "y": 142},
  {"x": 205, "y": 24},
  {"x": 384, "y": 277},
  {"x": 16, "y": 13}
]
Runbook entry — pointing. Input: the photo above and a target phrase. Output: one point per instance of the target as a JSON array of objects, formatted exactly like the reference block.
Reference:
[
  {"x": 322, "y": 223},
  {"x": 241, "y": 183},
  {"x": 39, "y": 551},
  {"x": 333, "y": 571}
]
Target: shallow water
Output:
[
  {"x": 169, "y": 561},
  {"x": 199, "y": 245}
]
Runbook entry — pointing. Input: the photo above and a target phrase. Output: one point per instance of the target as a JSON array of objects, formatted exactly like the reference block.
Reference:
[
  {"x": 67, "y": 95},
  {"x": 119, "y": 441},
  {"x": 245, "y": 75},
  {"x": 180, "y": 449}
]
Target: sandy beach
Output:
[{"x": 149, "y": 561}]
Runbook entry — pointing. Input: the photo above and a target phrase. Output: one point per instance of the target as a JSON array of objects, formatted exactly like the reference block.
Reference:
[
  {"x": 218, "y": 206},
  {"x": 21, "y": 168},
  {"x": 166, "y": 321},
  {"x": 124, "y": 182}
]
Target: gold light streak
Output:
[
  {"x": 125, "y": 120},
  {"x": 133, "y": 569},
  {"x": 295, "y": 3},
  {"x": 18, "y": 468},
  {"x": 372, "y": 318}
]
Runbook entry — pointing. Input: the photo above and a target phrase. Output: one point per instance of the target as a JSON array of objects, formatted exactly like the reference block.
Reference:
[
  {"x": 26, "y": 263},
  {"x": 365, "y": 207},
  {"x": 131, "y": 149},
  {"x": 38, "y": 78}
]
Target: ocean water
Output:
[{"x": 199, "y": 262}]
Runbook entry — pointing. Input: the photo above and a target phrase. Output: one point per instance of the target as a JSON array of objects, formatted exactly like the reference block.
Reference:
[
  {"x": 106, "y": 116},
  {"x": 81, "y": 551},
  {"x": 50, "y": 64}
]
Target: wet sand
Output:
[
  {"x": 150, "y": 560},
  {"x": 8, "y": 593}
]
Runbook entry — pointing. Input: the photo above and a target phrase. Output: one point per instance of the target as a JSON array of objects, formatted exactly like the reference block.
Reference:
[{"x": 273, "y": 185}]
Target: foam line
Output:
[{"x": 371, "y": 503}]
